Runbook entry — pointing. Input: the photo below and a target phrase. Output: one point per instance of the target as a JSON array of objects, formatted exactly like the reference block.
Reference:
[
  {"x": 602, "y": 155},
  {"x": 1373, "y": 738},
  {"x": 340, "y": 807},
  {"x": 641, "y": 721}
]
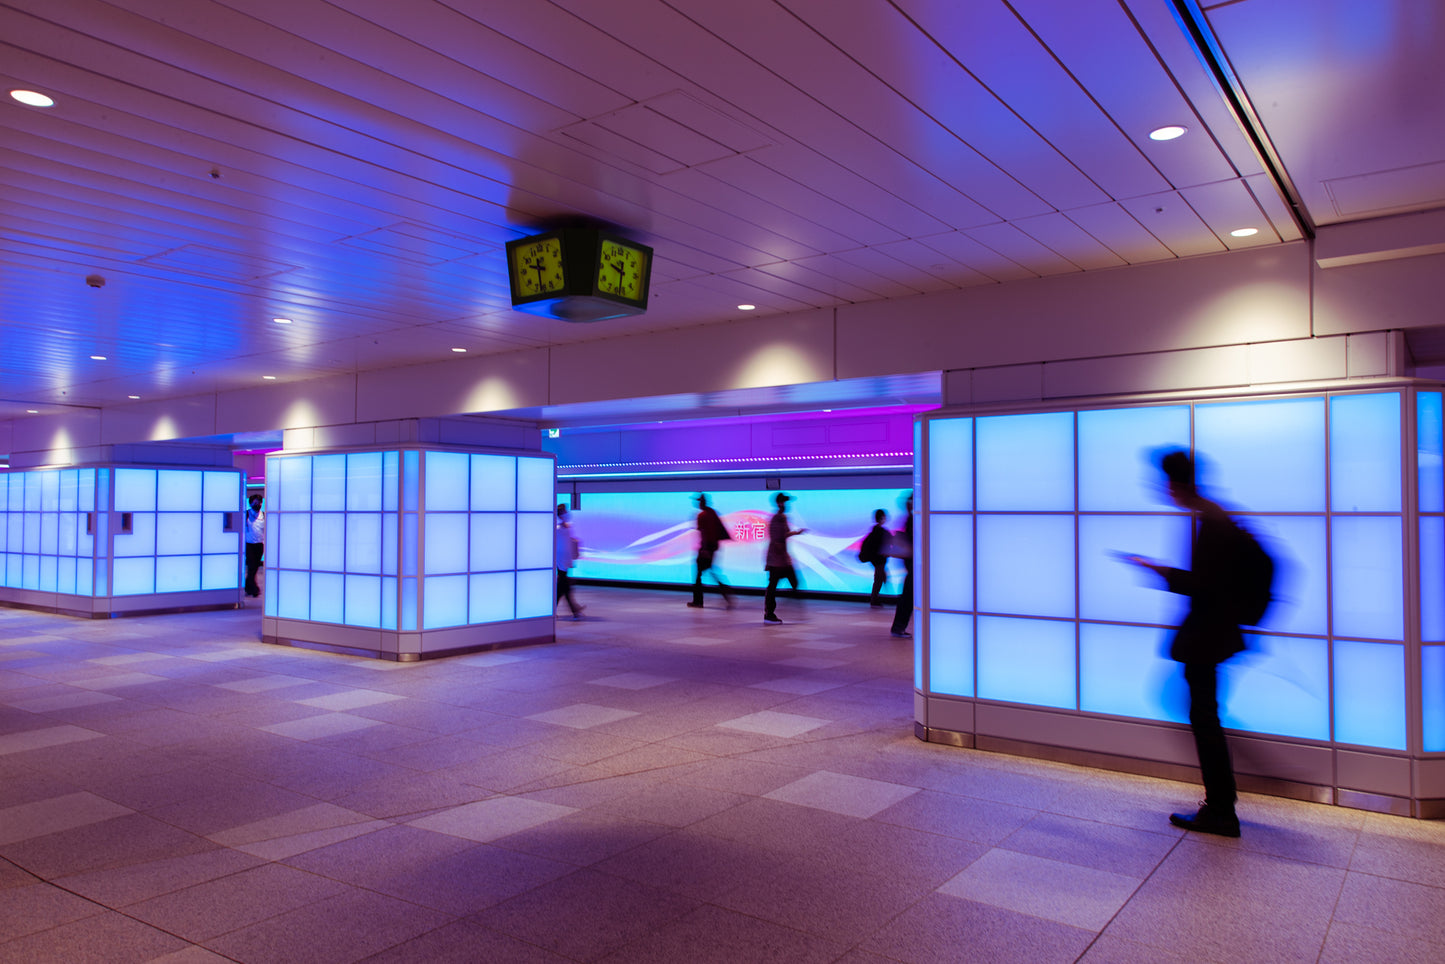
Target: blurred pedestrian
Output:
[
  {"x": 778, "y": 563},
  {"x": 566, "y": 548},
  {"x": 711, "y": 533},
  {"x": 901, "y": 546},
  {"x": 871, "y": 553}
]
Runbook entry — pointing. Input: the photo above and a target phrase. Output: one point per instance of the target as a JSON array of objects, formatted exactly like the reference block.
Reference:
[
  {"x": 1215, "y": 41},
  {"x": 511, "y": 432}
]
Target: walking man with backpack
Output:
[{"x": 1227, "y": 583}]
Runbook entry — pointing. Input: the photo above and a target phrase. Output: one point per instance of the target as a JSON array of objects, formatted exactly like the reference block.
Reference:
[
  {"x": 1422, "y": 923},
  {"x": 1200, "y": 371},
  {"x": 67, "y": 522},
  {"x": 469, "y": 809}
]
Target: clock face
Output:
[
  {"x": 621, "y": 270},
  {"x": 537, "y": 267}
]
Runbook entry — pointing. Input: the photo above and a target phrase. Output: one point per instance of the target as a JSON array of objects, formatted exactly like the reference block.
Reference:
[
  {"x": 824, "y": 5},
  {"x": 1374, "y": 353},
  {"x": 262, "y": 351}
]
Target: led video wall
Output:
[
  {"x": 159, "y": 531},
  {"x": 1028, "y": 602},
  {"x": 652, "y": 536},
  {"x": 409, "y": 540}
]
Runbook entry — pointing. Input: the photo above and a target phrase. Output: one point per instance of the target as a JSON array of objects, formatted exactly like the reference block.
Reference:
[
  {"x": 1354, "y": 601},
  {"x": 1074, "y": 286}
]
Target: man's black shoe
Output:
[
  {"x": 770, "y": 618},
  {"x": 693, "y": 605},
  {"x": 1206, "y": 820}
]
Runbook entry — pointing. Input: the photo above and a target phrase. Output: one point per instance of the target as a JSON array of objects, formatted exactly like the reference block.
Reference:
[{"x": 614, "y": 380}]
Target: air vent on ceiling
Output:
[
  {"x": 215, "y": 263},
  {"x": 667, "y": 133}
]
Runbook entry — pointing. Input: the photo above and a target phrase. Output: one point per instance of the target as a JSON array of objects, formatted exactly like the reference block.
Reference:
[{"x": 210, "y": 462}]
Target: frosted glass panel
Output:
[
  {"x": 447, "y": 488},
  {"x": 328, "y": 597},
  {"x": 84, "y": 577},
  {"x": 292, "y": 541},
  {"x": 536, "y": 478},
  {"x": 950, "y": 653},
  {"x": 135, "y": 490},
  {"x": 293, "y": 591},
  {"x": 49, "y": 574},
  {"x": 178, "y": 533},
  {"x": 86, "y": 496},
  {"x": 363, "y": 482},
  {"x": 492, "y": 597},
  {"x": 363, "y": 601},
  {"x": 1430, "y": 458},
  {"x": 408, "y": 615},
  {"x": 1370, "y": 694},
  {"x": 950, "y": 562},
  {"x": 410, "y": 477},
  {"x": 446, "y": 541},
  {"x": 1365, "y": 453},
  {"x": 1368, "y": 582},
  {"x": 1123, "y": 672},
  {"x": 178, "y": 574},
  {"x": 390, "y": 482},
  {"x": 1279, "y": 685},
  {"x": 1432, "y": 579},
  {"x": 1026, "y": 564},
  {"x": 68, "y": 487},
  {"x": 494, "y": 542},
  {"x": 131, "y": 577},
  {"x": 328, "y": 541},
  {"x": 494, "y": 483},
  {"x": 950, "y": 465},
  {"x": 295, "y": 482},
  {"x": 49, "y": 533},
  {"x": 1301, "y": 584},
  {"x": 214, "y": 538},
  {"x": 1264, "y": 456},
  {"x": 1117, "y": 471},
  {"x": 49, "y": 491},
  {"x": 65, "y": 580},
  {"x": 1026, "y": 462},
  {"x": 141, "y": 540},
  {"x": 388, "y": 602},
  {"x": 389, "y": 547},
  {"x": 444, "y": 601},
  {"x": 328, "y": 483},
  {"x": 409, "y": 544},
  {"x": 1026, "y": 661},
  {"x": 1432, "y": 697},
  {"x": 1115, "y": 590},
  {"x": 179, "y": 490},
  {"x": 534, "y": 593},
  {"x": 534, "y": 540},
  {"x": 222, "y": 492},
  {"x": 363, "y": 542},
  {"x": 220, "y": 572}
]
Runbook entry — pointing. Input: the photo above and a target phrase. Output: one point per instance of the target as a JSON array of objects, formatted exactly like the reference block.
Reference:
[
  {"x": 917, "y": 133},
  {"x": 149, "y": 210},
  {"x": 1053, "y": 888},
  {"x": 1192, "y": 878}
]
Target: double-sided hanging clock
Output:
[{"x": 579, "y": 274}]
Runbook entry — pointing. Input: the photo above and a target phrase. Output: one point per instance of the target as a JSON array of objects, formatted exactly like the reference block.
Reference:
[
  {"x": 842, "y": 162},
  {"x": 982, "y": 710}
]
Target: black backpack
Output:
[{"x": 1253, "y": 577}]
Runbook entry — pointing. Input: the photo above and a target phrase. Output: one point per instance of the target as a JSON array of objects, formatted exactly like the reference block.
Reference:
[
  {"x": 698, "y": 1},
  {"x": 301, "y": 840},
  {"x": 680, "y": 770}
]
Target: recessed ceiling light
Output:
[
  {"x": 1168, "y": 133},
  {"x": 132, "y": 396},
  {"x": 32, "y": 411},
  {"x": 282, "y": 321},
  {"x": 32, "y": 98},
  {"x": 1244, "y": 232},
  {"x": 269, "y": 378},
  {"x": 747, "y": 307},
  {"x": 459, "y": 351},
  {"x": 97, "y": 358}
]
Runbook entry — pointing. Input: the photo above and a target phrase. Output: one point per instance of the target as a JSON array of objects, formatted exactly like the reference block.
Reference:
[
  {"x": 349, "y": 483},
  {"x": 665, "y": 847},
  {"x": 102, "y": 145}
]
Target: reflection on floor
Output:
[{"x": 663, "y": 784}]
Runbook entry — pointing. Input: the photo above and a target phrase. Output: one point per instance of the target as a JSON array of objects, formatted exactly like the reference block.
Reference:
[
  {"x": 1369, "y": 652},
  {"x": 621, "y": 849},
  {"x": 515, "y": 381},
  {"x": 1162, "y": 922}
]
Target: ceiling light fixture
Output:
[
  {"x": 1244, "y": 232},
  {"x": 132, "y": 396},
  {"x": 269, "y": 378},
  {"x": 32, "y": 411},
  {"x": 1168, "y": 133},
  {"x": 747, "y": 307},
  {"x": 459, "y": 351},
  {"x": 32, "y": 98},
  {"x": 282, "y": 321},
  {"x": 97, "y": 358}
]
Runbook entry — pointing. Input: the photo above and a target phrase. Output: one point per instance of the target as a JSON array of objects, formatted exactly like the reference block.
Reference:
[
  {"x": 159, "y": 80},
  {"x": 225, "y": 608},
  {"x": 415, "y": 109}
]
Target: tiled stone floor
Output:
[{"x": 663, "y": 784}]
